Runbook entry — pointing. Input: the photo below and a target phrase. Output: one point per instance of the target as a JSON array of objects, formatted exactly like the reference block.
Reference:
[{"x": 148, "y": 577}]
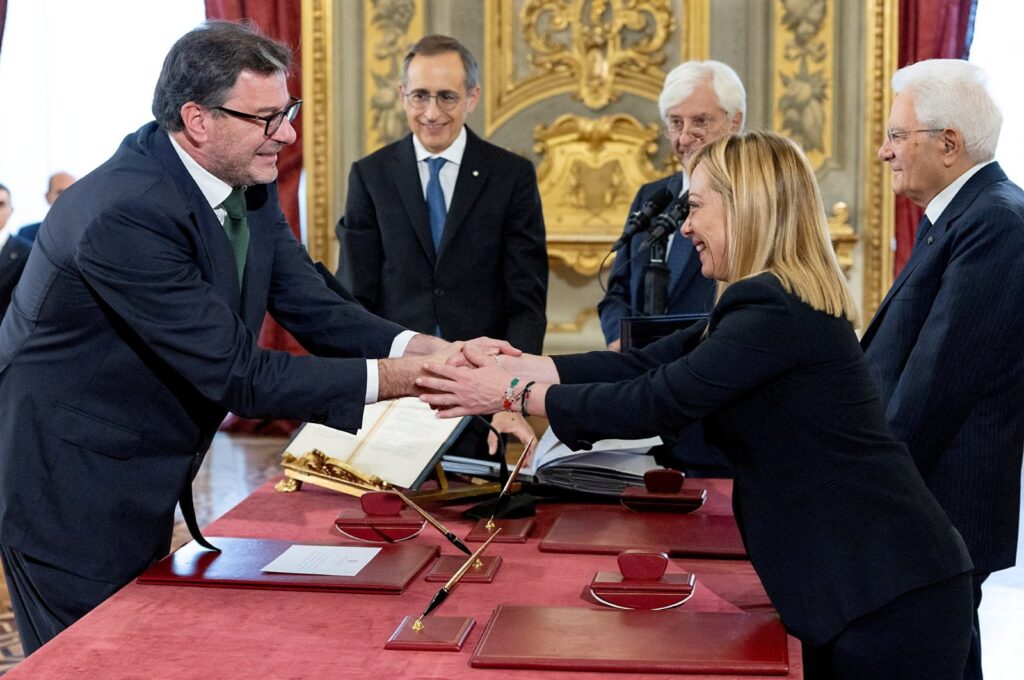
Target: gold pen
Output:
[
  {"x": 508, "y": 483},
  {"x": 441, "y": 594},
  {"x": 452, "y": 538}
]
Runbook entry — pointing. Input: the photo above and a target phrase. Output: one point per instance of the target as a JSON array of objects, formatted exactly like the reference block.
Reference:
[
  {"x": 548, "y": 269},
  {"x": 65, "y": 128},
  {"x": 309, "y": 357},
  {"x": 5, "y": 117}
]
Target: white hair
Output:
[
  {"x": 681, "y": 81},
  {"x": 952, "y": 93}
]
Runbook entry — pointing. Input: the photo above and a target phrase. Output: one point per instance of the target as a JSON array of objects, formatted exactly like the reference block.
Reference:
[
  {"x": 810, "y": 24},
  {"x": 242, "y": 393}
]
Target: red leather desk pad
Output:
[
  {"x": 638, "y": 641},
  {"x": 240, "y": 560},
  {"x": 613, "y": 530}
]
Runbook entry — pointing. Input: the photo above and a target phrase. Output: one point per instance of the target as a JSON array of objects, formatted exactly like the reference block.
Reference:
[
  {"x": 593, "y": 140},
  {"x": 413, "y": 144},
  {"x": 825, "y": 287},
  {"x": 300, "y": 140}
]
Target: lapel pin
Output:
[
  {"x": 476, "y": 173},
  {"x": 931, "y": 240}
]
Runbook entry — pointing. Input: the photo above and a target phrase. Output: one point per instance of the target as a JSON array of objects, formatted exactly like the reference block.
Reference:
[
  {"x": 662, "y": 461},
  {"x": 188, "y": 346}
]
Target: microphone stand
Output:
[{"x": 655, "y": 298}]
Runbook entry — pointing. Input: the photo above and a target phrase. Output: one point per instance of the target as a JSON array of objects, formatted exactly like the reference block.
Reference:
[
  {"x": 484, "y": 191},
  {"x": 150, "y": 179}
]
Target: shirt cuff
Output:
[
  {"x": 398, "y": 346},
  {"x": 400, "y": 342}
]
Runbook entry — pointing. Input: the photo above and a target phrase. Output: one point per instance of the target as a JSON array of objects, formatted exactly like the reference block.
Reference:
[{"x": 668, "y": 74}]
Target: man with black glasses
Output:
[
  {"x": 443, "y": 232},
  {"x": 133, "y": 331}
]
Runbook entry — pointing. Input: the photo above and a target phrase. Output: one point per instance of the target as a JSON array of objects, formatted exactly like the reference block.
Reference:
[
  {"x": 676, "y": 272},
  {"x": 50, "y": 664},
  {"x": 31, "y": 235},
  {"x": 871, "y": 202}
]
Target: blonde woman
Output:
[{"x": 859, "y": 559}]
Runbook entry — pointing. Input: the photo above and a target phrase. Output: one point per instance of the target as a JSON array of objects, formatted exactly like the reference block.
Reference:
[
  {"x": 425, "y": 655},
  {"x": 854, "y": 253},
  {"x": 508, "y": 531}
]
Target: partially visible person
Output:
[
  {"x": 700, "y": 102},
  {"x": 6, "y": 207},
  {"x": 133, "y": 331},
  {"x": 443, "y": 232},
  {"x": 14, "y": 253},
  {"x": 59, "y": 181},
  {"x": 857, "y": 556},
  {"x": 945, "y": 344}
]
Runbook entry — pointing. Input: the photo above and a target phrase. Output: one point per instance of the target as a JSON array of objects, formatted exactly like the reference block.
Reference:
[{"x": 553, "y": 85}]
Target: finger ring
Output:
[{"x": 497, "y": 360}]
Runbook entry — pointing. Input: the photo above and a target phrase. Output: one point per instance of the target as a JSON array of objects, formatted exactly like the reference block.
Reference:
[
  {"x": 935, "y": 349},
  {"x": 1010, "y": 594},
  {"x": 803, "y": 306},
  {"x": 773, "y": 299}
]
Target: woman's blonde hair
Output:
[{"x": 775, "y": 219}]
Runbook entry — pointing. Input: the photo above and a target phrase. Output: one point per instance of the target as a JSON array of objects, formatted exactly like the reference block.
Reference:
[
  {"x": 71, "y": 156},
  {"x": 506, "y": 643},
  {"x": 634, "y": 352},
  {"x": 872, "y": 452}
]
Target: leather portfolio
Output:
[
  {"x": 634, "y": 641},
  {"x": 612, "y": 530},
  {"x": 239, "y": 563}
]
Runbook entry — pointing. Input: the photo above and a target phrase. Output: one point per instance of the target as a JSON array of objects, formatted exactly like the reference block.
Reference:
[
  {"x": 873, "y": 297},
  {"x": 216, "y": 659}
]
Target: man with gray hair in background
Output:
[
  {"x": 945, "y": 344},
  {"x": 700, "y": 102}
]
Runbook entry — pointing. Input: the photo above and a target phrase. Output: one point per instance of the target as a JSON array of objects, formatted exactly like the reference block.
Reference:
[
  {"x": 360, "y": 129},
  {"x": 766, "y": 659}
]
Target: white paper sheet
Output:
[{"x": 322, "y": 560}]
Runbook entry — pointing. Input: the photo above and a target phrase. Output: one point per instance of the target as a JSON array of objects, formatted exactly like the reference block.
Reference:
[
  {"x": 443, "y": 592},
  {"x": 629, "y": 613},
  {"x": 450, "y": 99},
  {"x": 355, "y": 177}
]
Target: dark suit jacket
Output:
[
  {"x": 13, "y": 256},
  {"x": 945, "y": 350},
  {"x": 836, "y": 520},
  {"x": 692, "y": 293},
  {"x": 128, "y": 340},
  {"x": 490, "y": 277}
]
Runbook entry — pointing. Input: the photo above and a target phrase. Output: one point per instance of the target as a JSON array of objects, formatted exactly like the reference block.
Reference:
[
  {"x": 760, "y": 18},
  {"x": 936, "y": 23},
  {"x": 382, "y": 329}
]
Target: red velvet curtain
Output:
[
  {"x": 3, "y": 20},
  {"x": 929, "y": 29},
  {"x": 281, "y": 20}
]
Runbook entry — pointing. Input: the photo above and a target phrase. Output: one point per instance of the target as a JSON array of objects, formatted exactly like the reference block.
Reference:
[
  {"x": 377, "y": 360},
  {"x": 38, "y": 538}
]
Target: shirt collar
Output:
[
  {"x": 946, "y": 196},
  {"x": 453, "y": 154},
  {"x": 214, "y": 189}
]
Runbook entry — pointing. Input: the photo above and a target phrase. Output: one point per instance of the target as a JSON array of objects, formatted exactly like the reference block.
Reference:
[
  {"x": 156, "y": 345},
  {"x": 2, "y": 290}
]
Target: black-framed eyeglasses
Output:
[
  {"x": 446, "y": 99},
  {"x": 895, "y": 136},
  {"x": 273, "y": 121}
]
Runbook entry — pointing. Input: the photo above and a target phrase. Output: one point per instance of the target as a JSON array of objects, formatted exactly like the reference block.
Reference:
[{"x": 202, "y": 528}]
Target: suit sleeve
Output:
[
  {"x": 618, "y": 300},
  {"x": 750, "y": 346},
  {"x": 140, "y": 262},
  {"x": 526, "y": 265},
  {"x": 360, "y": 257},
  {"x": 978, "y": 313}
]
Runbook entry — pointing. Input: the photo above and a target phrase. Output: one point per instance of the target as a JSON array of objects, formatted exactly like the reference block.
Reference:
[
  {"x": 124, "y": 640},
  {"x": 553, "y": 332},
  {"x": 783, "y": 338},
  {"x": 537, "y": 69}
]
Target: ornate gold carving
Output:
[
  {"x": 697, "y": 30},
  {"x": 594, "y": 49},
  {"x": 318, "y": 468},
  {"x": 389, "y": 27},
  {"x": 878, "y": 212},
  {"x": 577, "y": 324},
  {"x": 804, "y": 48},
  {"x": 844, "y": 238},
  {"x": 319, "y": 138},
  {"x": 589, "y": 173}
]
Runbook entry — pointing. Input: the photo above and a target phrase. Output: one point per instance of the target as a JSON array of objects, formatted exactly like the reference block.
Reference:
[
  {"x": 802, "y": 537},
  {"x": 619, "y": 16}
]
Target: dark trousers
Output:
[
  {"x": 45, "y": 599},
  {"x": 973, "y": 669},
  {"x": 921, "y": 635}
]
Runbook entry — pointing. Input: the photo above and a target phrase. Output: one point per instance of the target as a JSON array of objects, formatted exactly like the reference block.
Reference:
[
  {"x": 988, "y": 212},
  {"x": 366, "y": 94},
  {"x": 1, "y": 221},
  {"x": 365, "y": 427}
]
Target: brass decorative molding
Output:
[
  {"x": 389, "y": 28},
  {"x": 696, "y": 30},
  {"x": 595, "y": 50},
  {"x": 882, "y": 50},
  {"x": 802, "y": 92},
  {"x": 576, "y": 325},
  {"x": 589, "y": 172},
  {"x": 844, "y": 238},
  {"x": 320, "y": 137}
]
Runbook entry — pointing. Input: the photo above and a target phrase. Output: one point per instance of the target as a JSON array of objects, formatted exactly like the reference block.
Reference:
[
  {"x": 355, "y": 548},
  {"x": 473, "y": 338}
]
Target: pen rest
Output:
[
  {"x": 641, "y": 499},
  {"x": 446, "y": 566},
  {"x": 614, "y": 590},
  {"x": 439, "y": 633},
  {"x": 379, "y": 528},
  {"x": 512, "y": 530}
]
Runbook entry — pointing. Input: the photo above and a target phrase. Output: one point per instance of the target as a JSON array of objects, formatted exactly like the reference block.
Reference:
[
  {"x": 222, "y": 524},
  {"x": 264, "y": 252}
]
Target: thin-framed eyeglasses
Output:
[
  {"x": 271, "y": 122},
  {"x": 699, "y": 126},
  {"x": 896, "y": 136},
  {"x": 446, "y": 99}
]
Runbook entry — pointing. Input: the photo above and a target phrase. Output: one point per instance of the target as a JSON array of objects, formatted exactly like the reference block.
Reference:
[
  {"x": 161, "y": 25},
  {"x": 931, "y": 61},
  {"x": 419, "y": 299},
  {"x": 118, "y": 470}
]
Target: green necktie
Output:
[{"x": 237, "y": 227}]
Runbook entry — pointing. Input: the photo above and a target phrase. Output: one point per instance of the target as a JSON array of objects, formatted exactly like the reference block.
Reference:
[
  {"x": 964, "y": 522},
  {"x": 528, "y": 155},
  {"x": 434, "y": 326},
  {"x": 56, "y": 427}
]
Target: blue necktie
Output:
[
  {"x": 435, "y": 201},
  {"x": 677, "y": 257}
]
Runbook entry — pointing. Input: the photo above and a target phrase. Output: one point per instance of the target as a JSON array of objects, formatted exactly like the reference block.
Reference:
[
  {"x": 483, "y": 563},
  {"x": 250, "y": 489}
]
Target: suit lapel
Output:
[
  {"x": 410, "y": 191},
  {"x": 964, "y": 198},
  {"x": 217, "y": 252},
  {"x": 473, "y": 172}
]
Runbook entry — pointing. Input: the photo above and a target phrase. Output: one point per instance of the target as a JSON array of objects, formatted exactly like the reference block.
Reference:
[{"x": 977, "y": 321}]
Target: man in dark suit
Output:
[
  {"x": 133, "y": 331},
  {"x": 443, "y": 232},
  {"x": 945, "y": 344},
  {"x": 701, "y": 102}
]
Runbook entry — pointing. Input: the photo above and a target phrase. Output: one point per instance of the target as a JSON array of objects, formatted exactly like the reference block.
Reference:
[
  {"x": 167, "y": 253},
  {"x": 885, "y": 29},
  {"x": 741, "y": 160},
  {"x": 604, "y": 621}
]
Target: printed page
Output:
[{"x": 322, "y": 560}]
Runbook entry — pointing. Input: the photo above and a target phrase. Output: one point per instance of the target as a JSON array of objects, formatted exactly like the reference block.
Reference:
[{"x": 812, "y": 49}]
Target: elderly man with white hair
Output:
[
  {"x": 700, "y": 102},
  {"x": 945, "y": 344}
]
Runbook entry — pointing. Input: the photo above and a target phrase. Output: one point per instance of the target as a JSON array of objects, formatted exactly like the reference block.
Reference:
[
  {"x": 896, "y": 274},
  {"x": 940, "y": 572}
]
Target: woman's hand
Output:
[{"x": 456, "y": 391}]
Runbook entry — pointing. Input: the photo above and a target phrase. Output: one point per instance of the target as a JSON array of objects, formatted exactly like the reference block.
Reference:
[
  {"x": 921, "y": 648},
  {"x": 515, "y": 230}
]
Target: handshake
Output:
[{"x": 475, "y": 377}]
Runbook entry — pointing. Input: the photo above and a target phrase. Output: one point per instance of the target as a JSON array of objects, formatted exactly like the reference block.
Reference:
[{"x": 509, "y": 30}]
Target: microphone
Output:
[
  {"x": 668, "y": 221},
  {"x": 639, "y": 220}
]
